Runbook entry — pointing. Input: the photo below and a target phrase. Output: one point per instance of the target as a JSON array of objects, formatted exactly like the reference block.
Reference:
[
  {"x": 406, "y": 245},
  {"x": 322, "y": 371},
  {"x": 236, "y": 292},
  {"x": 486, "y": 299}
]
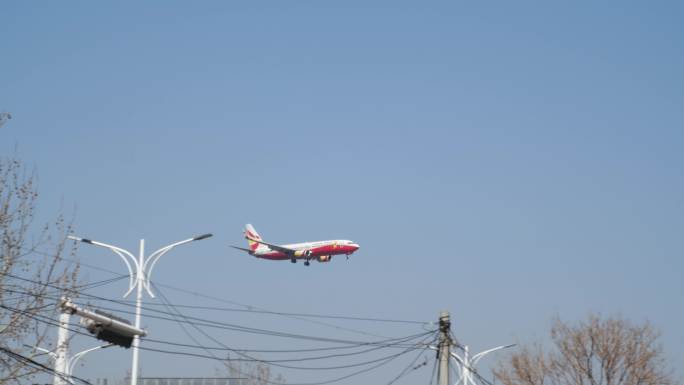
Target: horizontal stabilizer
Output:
[{"x": 241, "y": 248}]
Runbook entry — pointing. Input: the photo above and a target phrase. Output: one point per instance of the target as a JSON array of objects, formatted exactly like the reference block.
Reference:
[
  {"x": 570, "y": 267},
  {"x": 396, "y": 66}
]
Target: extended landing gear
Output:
[
  {"x": 293, "y": 260},
  {"x": 306, "y": 263}
]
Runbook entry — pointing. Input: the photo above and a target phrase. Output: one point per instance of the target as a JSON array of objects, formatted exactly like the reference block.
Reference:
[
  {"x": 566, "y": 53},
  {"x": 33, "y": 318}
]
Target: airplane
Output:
[{"x": 321, "y": 251}]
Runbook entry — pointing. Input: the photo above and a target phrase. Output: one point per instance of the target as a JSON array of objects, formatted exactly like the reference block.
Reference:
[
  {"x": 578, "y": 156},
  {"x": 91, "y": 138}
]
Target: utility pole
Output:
[
  {"x": 61, "y": 365},
  {"x": 465, "y": 363},
  {"x": 444, "y": 347},
  {"x": 138, "y": 279}
]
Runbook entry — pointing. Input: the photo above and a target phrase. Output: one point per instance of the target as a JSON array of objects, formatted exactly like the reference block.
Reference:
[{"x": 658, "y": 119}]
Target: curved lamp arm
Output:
[
  {"x": 478, "y": 356},
  {"x": 111, "y": 247},
  {"x": 460, "y": 372},
  {"x": 131, "y": 281},
  {"x": 152, "y": 261},
  {"x": 154, "y": 257},
  {"x": 458, "y": 359},
  {"x": 77, "y": 356},
  {"x": 140, "y": 270},
  {"x": 121, "y": 253}
]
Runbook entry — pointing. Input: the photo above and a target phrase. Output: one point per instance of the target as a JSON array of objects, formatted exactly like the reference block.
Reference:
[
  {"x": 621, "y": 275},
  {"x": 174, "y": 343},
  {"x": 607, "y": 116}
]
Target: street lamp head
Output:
[
  {"x": 77, "y": 239},
  {"x": 203, "y": 236}
]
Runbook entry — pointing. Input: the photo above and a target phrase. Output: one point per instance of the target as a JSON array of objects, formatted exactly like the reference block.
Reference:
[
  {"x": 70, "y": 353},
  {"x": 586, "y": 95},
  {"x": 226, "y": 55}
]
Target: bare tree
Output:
[
  {"x": 32, "y": 272},
  {"x": 253, "y": 372},
  {"x": 610, "y": 351}
]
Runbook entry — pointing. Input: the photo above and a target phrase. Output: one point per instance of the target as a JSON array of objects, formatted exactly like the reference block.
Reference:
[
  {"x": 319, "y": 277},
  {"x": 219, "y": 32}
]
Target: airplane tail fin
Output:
[{"x": 252, "y": 236}]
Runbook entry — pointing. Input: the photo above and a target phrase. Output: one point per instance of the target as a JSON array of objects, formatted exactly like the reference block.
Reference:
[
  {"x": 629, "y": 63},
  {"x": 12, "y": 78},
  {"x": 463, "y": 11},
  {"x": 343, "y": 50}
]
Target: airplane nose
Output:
[{"x": 355, "y": 246}]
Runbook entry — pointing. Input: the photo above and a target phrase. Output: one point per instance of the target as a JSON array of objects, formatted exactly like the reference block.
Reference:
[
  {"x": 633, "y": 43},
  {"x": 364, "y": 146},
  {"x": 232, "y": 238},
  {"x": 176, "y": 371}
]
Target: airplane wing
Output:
[
  {"x": 241, "y": 248},
  {"x": 274, "y": 247}
]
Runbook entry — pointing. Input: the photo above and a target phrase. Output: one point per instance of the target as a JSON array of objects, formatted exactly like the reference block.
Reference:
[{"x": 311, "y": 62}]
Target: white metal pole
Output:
[
  {"x": 467, "y": 380},
  {"x": 61, "y": 369},
  {"x": 140, "y": 281}
]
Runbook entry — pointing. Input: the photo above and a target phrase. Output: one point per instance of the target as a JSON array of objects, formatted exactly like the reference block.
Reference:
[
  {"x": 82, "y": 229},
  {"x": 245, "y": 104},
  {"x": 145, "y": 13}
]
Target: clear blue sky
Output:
[{"x": 506, "y": 161}]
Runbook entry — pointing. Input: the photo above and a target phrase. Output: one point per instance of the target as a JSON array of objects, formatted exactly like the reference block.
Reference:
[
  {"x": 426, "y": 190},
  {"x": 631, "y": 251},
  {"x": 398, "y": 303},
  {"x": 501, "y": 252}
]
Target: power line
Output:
[
  {"x": 346, "y": 347},
  {"x": 236, "y": 327},
  {"x": 37, "y": 365},
  {"x": 50, "y": 321},
  {"x": 340, "y": 317},
  {"x": 247, "y": 308},
  {"x": 393, "y": 342},
  {"x": 357, "y": 373},
  {"x": 192, "y": 321},
  {"x": 381, "y": 362},
  {"x": 215, "y": 324},
  {"x": 376, "y": 347},
  {"x": 270, "y": 362},
  {"x": 59, "y": 289},
  {"x": 409, "y": 368},
  {"x": 434, "y": 368}
]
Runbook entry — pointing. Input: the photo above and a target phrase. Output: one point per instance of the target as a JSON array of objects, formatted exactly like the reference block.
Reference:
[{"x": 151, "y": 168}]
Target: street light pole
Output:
[
  {"x": 138, "y": 302},
  {"x": 139, "y": 279}
]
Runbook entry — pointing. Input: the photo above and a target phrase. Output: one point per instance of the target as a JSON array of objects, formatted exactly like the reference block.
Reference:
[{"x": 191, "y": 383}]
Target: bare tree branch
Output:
[
  {"x": 36, "y": 257},
  {"x": 609, "y": 351}
]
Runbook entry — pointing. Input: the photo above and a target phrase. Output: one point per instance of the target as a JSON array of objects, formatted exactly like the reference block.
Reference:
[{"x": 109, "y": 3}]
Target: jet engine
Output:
[
  {"x": 324, "y": 258},
  {"x": 303, "y": 253}
]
